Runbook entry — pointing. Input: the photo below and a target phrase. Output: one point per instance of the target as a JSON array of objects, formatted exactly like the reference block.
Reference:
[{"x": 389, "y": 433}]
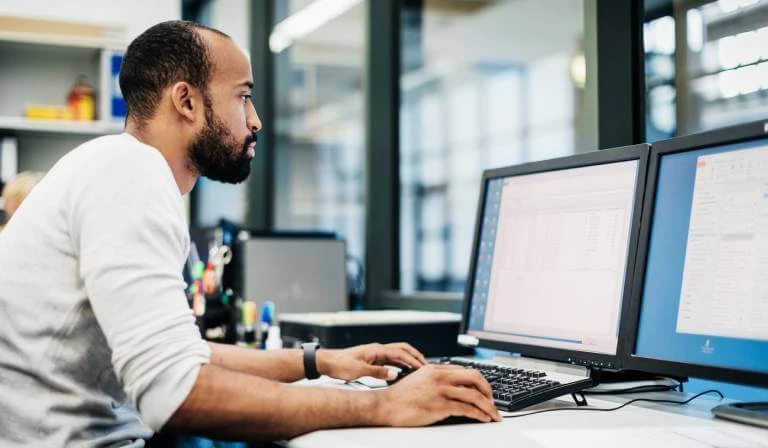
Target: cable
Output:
[{"x": 649, "y": 400}]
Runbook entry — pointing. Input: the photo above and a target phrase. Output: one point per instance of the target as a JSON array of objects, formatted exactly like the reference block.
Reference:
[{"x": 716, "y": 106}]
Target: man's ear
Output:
[{"x": 186, "y": 100}]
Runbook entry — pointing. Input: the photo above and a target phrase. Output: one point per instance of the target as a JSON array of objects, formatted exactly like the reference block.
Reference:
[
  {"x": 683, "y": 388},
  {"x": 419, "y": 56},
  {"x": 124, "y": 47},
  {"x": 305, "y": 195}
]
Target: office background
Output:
[{"x": 380, "y": 118}]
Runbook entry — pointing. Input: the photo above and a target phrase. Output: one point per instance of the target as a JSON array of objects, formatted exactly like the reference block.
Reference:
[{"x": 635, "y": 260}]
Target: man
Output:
[{"x": 98, "y": 345}]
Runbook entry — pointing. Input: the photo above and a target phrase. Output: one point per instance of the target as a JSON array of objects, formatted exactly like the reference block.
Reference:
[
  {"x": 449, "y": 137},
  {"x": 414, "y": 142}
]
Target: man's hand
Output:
[
  {"x": 368, "y": 360},
  {"x": 436, "y": 392}
]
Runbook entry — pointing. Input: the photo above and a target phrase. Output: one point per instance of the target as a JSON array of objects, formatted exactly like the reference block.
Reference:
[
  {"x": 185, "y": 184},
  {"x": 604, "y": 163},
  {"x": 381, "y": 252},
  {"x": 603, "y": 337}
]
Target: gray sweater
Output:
[{"x": 97, "y": 344}]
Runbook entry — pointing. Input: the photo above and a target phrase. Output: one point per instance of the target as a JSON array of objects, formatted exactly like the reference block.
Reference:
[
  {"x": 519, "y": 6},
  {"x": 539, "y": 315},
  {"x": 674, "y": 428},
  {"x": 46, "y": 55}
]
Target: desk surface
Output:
[{"x": 637, "y": 425}]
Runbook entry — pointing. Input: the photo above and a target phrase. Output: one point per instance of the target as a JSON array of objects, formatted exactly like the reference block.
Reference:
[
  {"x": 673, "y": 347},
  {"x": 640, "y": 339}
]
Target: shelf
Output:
[
  {"x": 702, "y": 74},
  {"x": 19, "y": 124},
  {"x": 61, "y": 41},
  {"x": 58, "y": 33},
  {"x": 743, "y": 19}
]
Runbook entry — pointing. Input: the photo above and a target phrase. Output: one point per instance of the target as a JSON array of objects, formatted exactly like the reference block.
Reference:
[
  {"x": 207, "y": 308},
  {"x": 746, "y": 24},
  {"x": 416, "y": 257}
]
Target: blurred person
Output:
[
  {"x": 17, "y": 190},
  {"x": 96, "y": 325}
]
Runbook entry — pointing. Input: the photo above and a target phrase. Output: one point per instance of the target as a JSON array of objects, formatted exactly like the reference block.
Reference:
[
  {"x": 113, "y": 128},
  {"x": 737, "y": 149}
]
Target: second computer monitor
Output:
[
  {"x": 550, "y": 255},
  {"x": 700, "y": 302}
]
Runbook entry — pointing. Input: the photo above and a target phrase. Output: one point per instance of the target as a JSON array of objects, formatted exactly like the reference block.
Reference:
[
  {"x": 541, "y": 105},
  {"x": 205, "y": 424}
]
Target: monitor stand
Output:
[
  {"x": 624, "y": 381},
  {"x": 755, "y": 413},
  {"x": 635, "y": 376}
]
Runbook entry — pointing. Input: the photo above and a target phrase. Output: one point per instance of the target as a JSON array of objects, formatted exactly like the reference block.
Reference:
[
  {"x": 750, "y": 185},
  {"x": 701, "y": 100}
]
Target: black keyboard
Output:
[{"x": 514, "y": 389}]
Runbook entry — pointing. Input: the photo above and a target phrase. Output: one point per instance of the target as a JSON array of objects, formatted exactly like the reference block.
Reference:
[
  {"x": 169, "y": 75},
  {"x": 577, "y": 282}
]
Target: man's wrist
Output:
[
  {"x": 322, "y": 362},
  {"x": 377, "y": 403}
]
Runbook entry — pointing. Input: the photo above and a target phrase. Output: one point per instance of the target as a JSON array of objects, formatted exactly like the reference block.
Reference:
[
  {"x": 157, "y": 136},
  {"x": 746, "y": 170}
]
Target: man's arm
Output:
[
  {"x": 232, "y": 405},
  {"x": 279, "y": 365},
  {"x": 287, "y": 365},
  {"x": 129, "y": 234}
]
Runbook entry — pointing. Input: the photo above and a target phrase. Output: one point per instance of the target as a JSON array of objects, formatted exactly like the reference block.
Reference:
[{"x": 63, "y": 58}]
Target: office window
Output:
[
  {"x": 706, "y": 66},
  {"x": 661, "y": 92},
  {"x": 319, "y": 128},
  {"x": 484, "y": 84}
]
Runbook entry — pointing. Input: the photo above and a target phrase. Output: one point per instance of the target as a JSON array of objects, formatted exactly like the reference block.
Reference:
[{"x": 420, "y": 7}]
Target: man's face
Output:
[
  {"x": 223, "y": 148},
  {"x": 219, "y": 155}
]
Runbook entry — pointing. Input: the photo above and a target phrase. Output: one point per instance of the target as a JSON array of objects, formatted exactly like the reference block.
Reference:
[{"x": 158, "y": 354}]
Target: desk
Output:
[{"x": 638, "y": 425}]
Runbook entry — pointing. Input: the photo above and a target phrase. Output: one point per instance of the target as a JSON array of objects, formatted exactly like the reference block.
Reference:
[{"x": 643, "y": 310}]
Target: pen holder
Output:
[{"x": 219, "y": 321}]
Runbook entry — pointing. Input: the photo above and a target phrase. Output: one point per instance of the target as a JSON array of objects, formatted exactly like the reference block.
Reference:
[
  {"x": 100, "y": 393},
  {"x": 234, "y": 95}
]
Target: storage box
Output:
[{"x": 432, "y": 333}]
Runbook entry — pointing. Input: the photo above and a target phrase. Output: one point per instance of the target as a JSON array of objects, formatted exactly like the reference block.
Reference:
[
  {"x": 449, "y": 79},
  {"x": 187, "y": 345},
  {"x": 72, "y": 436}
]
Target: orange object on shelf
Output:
[{"x": 80, "y": 100}]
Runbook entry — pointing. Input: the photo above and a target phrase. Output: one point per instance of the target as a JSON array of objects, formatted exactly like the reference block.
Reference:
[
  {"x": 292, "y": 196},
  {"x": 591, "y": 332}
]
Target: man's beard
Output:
[{"x": 217, "y": 155}]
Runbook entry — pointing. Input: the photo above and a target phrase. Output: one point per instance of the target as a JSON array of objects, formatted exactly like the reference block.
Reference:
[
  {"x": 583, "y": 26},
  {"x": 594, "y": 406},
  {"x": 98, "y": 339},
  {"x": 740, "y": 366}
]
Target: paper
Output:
[
  {"x": 679, "y": 437},
  {"x": 371, "y": 382},
  {"x": 326, "y": 381}
]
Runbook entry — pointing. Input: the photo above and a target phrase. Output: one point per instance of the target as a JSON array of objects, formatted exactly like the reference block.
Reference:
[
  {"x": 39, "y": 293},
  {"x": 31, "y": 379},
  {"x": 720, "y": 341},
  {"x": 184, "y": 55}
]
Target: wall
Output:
[{"x": 232, "y": 17}]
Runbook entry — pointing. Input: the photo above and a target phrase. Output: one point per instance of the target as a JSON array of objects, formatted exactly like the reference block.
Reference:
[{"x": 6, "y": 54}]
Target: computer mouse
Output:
[
  {"x": 455, "y": 420},
  {"x": 400, "y": 375}
]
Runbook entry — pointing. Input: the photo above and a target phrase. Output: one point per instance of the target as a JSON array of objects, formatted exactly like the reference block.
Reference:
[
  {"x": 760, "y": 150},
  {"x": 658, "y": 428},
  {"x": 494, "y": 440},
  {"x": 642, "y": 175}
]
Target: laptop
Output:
[{"x": 551, "y": 257}]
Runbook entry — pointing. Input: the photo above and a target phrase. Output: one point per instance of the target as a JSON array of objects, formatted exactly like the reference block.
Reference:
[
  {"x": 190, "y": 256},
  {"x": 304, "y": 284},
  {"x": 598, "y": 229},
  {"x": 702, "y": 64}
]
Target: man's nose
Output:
[{"x": 253, "y": 121}]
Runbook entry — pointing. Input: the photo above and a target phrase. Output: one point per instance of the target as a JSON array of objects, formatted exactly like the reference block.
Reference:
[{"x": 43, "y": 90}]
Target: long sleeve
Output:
[{"x": 129, "y": 230}]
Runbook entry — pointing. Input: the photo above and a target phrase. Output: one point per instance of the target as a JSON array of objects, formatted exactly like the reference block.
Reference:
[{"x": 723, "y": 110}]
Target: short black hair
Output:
[{"x": 164, "y": 54}]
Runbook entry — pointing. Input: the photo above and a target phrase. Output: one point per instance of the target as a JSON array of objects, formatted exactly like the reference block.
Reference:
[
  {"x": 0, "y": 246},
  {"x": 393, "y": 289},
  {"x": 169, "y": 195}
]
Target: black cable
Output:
[{"x": 649, "y": 400}]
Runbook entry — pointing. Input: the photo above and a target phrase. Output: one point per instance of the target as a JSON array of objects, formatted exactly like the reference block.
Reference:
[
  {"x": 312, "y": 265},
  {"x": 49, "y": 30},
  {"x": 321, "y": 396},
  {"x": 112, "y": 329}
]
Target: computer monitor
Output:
[
  {"x": 299, "y": 273},
  {"x": 550, "y": 256},
  {"x": 699, "y": 305}
]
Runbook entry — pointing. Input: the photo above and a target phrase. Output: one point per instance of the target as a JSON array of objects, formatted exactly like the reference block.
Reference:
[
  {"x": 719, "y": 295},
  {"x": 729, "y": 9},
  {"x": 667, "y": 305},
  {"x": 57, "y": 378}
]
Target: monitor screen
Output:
[
  {"x": 551, "y": 257},
  {"x": 300, "y": 275},
  {"x": 704, "y": 297}
]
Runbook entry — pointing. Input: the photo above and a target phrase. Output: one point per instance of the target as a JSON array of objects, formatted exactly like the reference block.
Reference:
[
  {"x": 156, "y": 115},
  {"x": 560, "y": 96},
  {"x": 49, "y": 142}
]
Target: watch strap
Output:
[{"x": 310, "y": 360}]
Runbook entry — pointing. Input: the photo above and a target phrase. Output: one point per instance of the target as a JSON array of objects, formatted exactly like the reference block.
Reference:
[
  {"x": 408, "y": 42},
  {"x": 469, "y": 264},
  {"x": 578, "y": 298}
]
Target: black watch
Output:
[{"x": 310, "y": 360}]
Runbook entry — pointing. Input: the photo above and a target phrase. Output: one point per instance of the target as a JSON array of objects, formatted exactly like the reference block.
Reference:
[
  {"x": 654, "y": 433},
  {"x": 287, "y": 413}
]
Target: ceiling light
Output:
[{"x": 306, "y": 20}]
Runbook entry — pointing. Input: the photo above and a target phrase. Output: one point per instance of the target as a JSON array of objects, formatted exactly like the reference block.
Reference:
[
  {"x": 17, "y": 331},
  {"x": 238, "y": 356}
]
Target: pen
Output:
[{"x": 267, "y": 317}]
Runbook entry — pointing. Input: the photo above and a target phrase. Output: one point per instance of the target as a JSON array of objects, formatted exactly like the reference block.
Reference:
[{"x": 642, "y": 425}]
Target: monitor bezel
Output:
[
  {"x": 637, "y": 152},
  {"x": 726, "y": 136}
]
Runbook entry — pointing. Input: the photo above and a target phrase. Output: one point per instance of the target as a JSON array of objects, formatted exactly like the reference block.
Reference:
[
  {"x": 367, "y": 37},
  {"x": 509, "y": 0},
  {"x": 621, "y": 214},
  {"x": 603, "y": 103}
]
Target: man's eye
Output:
[{"x": 245, "y": 98}]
